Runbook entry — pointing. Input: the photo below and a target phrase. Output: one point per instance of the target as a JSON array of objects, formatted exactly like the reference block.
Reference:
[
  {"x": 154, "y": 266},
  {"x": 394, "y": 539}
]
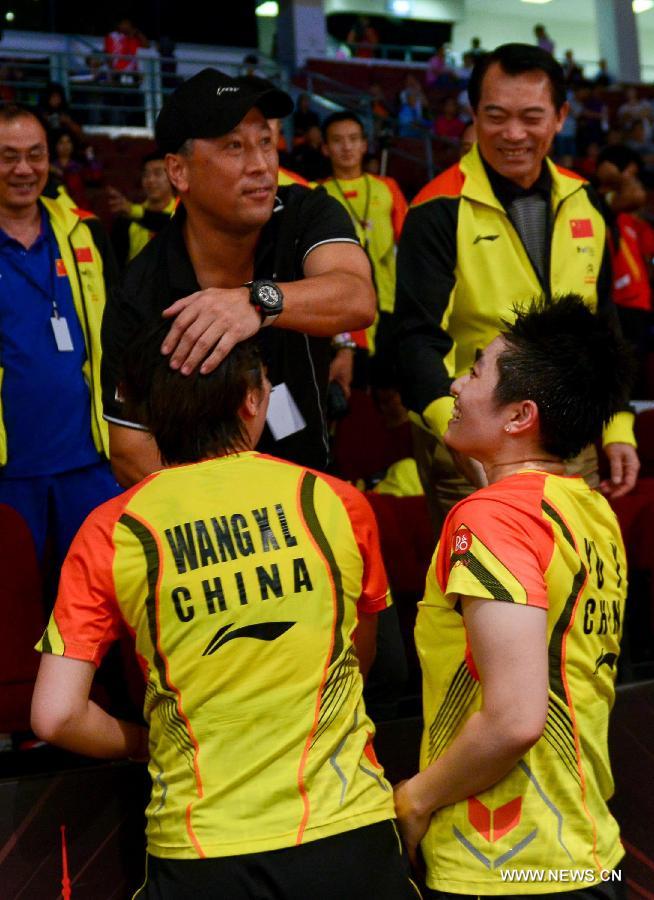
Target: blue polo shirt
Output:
[{"x": 46, "y": 403}]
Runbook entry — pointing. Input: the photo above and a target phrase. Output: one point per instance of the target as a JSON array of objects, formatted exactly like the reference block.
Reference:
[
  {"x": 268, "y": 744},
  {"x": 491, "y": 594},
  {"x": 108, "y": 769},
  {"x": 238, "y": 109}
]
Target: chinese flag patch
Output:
[
  {"x": 350, "y": 195},
  {"x": 61, "y": 268},
  {"x": 581, "y": 228},
  {"x": 83, "y": 254}
]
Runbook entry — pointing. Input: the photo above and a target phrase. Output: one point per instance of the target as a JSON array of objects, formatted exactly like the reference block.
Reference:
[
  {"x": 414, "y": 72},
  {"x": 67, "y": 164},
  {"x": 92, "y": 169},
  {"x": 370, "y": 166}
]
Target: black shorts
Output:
[
  {"x": 607, "y": 890},
  {"x": 363, "y": 864}
]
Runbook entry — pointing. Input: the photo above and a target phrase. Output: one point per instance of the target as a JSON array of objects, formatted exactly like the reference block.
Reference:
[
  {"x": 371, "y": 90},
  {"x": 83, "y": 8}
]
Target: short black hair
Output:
[
  {"x": 191, "y": 417},
  {"x": 621, "y": 156},
  {"x": 573, "y": 363},
  {"x": 514, "y": 59},
  {"x": 343, "y": 116}
]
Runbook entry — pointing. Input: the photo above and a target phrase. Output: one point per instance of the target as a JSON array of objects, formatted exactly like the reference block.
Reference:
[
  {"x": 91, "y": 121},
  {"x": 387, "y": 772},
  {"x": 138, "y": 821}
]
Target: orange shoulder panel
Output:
[
  {"x": 570, "y": 174},
  {"x": 291, "y": 177},
  {"x": 447, "y": 184},
  {"x": 400, "y": 206},
  {"x": 84, "y": 213}
]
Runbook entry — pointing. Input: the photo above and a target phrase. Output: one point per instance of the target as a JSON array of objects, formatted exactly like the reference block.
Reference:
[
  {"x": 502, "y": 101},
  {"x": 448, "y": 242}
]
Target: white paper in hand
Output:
[{"x": 284, "y": 418}]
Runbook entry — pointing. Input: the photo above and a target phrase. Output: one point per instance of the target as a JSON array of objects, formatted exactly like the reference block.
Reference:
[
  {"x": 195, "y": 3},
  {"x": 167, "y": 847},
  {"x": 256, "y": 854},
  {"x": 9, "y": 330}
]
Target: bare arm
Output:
[
  {"x": 625, "y": 465},
  {"x": 335, "y": 295},
  {"x": 134, "y": 454},
  {"x": 509, "y": 646},
  {"x": 62, "y": 713}
]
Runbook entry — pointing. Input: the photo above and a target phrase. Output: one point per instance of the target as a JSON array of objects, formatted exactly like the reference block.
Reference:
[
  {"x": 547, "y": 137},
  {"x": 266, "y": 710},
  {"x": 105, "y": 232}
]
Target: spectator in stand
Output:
[
  {"x": 304, "y": 117},
  {"x": 249, "y": 66},
  {"x": 631, "y": 239},
  {"x": 72, "y": 167},
  {"x": 121, "y": 46},
  {"x": 439, "y": 72},
  {"x": 603, "y": 77},
  {"x": 93, "y": 102},
  {"x": 636, "y": 138},
  {"x": 363, "y": 38},
  {"x": 449, "y": 124},
  {"x": 475, "y": 50},
  {"x": 543, "y": 40},
  {"x": 587, "y": 164},
  {"x": 565, "y": 142},
  {"x": 464, "y": 72},
  {"x": 54, "y": 112},
  {"x": 571, "y": 70},
  {"x": 308, "y": 159},
  {"x": 411, "y": 115},
  {"x": 592, "y": 118},
  {"x": 138, "y": 223},
  {"x": 636, "y": 109}
]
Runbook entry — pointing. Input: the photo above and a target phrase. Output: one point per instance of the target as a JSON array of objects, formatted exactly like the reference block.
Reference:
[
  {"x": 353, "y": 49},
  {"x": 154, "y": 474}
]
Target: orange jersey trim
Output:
[{"x": 448, "y": 184}]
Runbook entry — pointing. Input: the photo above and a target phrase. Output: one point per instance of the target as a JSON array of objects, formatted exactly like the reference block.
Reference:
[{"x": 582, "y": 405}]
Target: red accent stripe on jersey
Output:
[
  {"x": 189, "y": 830},
  {"x": 305, "y": 753},
  {"x": 84, "y": 213}
]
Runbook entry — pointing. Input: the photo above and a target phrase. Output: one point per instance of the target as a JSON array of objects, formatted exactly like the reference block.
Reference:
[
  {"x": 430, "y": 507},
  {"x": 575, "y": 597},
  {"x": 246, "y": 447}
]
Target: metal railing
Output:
[{"x": 108, "y": 91}]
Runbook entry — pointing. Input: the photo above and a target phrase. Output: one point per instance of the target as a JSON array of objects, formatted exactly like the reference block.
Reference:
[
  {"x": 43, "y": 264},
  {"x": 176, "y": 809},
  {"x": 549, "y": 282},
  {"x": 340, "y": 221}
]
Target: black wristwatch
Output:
[{"x": 267, "y": 297}]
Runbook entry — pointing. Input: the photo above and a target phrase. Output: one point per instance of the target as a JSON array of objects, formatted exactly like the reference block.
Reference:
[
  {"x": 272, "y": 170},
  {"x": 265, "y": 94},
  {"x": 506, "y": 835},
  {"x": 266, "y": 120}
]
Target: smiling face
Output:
[
  {"x": 477, "y": 426},
  {"x": 232, "y": 179},
  {"x": 155, "y": 182},
  {"x": 23, "y": 163},
  {"x": 516, "y": 122}
]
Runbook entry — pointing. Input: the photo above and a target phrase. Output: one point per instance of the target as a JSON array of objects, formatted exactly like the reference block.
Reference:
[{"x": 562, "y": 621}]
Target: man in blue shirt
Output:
[{"x": 55, "y": 275}]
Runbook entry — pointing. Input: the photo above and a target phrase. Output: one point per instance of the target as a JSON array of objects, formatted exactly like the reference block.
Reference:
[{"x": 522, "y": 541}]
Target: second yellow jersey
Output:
[{"x": 547, "y": 541}]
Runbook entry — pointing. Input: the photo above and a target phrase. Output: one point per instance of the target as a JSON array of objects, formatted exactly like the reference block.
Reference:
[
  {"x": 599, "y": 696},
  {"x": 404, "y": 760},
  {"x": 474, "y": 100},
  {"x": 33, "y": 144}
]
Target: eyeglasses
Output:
[{"x": 10, "y": 158}]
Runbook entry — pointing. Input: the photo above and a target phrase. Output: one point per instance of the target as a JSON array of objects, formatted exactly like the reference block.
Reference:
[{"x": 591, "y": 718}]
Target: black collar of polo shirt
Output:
[
  {"x": 507, "y": 191},
  {"x": 181, "y": 275}
]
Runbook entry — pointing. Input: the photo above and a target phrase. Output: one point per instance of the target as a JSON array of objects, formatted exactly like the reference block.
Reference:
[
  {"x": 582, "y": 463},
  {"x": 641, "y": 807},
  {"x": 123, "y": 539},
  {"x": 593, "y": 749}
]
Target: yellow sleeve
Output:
[{"x": 620, "y": 430}]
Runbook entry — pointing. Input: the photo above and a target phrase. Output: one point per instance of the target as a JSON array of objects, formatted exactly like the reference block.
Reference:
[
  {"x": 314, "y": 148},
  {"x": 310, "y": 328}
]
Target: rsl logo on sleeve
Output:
[{"x": 461, "y": 541}]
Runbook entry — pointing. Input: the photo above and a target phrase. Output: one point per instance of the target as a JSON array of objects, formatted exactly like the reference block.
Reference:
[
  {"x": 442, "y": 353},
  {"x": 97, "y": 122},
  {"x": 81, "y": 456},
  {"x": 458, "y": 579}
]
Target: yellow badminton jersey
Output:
[
  {"x": 548, "y": 541},
  {"x": 240, "y": 578},
  {"x": 377, "y": 208}
]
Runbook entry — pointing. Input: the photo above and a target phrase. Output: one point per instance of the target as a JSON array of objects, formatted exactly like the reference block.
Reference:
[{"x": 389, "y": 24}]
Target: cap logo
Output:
[{"x": 224, "y": 90}]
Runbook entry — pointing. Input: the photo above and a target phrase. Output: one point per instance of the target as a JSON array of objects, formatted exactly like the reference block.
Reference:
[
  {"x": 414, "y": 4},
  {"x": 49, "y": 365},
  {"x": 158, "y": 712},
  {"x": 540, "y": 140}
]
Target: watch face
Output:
[{"x": 269, "y": 295}]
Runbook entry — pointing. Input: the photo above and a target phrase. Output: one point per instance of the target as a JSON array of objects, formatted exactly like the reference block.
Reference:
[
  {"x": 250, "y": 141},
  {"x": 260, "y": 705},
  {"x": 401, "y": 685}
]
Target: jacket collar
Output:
[
  {"x": 477, "y": 186},
  {"x": 65, "y": 216}
]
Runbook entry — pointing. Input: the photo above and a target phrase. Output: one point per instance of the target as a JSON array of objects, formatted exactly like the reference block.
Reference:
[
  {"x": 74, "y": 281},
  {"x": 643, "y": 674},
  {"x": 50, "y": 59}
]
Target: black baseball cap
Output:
[{"x": 211, "y": 103}]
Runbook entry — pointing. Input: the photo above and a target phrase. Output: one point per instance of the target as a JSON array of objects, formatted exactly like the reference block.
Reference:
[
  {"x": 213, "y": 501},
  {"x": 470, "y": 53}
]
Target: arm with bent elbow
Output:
[
  {"x": 133, "y": 454},
  {"x": 63, "y": 714},
  {"x": 335, "y": 295},
  {"x": 509, "y": 647}
]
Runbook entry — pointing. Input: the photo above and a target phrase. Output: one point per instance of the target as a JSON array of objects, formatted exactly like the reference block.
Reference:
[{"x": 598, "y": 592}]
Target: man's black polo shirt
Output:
[{"x": 162, "y": 273}]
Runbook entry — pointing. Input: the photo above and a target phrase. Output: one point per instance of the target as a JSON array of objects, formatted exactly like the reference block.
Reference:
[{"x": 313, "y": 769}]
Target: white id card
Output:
[
  {"x": 61, "y": 333},
  {"x": 284, "y": 418}
]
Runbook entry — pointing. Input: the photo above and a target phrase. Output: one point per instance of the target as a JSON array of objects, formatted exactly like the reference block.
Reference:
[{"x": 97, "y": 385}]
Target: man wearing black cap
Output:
[{"x": 240, "y": 256}]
